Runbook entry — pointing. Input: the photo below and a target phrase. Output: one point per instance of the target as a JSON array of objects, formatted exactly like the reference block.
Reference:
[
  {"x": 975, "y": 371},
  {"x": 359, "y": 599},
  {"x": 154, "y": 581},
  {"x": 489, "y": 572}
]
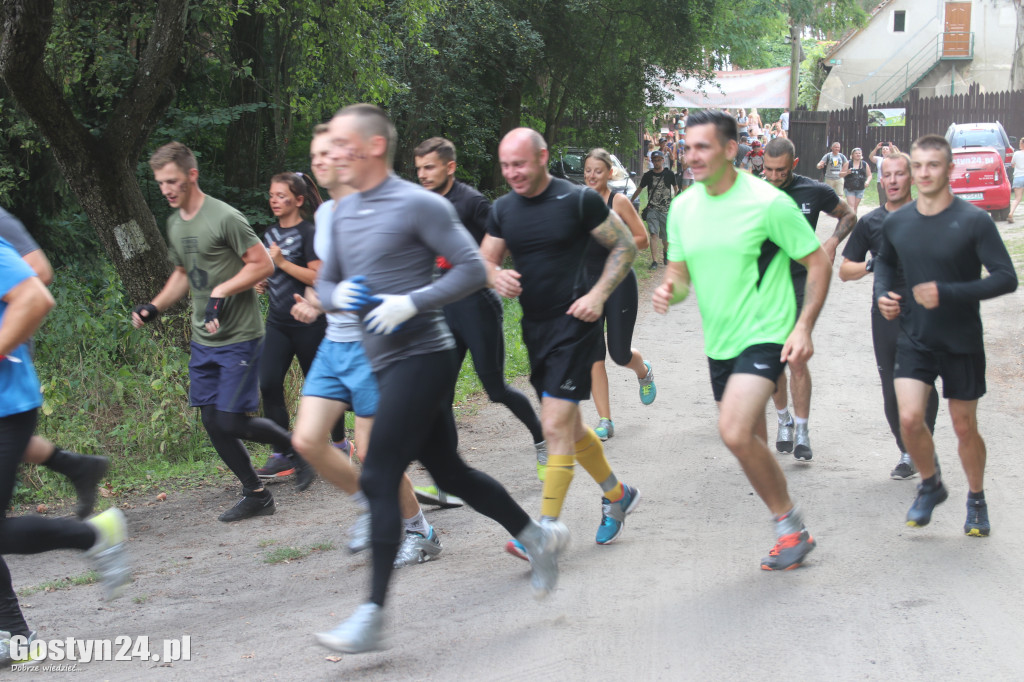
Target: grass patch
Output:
[
  {"x": 140, "y": 599},
  {"x": 284, "y": 555},
  {"x": 262, "y": 544},
  {"x": 87, "y": 578}
]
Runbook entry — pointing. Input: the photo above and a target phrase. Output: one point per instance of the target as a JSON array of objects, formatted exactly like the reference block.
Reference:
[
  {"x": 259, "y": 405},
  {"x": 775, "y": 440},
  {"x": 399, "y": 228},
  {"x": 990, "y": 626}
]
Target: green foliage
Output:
[{"x": 812, "y": 75}]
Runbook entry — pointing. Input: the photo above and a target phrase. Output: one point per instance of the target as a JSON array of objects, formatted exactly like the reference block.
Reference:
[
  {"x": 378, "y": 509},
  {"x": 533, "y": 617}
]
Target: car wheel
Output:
[{"x": 1001, "y": 215}]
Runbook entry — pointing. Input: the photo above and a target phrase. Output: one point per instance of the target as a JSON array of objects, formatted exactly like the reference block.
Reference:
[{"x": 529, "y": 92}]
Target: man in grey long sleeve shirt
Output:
[
  {"x": 386, "y": 237},
  {"x": 941, "y": 242}
]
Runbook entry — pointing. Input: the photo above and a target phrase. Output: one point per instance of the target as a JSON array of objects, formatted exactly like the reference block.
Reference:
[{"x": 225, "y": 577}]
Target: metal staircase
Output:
[{"x": 942, "y": 48}]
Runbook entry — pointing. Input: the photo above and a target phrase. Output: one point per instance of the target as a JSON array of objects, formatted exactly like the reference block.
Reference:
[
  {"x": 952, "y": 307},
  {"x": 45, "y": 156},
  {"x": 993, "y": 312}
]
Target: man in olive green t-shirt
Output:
[
  {"x": 217, "y": 256},
  {"x": 733, "y": 235}
]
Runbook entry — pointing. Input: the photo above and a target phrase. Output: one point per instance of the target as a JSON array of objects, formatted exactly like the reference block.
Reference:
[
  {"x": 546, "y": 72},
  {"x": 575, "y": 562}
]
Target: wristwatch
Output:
[{"x": 870, "y": 265}]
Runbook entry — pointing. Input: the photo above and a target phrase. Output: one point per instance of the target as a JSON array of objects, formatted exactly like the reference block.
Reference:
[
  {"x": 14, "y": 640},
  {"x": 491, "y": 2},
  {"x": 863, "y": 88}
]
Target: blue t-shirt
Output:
[{"x": 19, "y": 386}]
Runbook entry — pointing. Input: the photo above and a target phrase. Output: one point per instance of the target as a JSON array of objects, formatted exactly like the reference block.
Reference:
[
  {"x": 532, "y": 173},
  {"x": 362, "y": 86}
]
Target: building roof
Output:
[{"x": 848, "y": 36}]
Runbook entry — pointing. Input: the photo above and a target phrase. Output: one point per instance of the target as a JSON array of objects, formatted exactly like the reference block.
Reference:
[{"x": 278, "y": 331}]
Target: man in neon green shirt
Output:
[{"x": 733, "y": 236}]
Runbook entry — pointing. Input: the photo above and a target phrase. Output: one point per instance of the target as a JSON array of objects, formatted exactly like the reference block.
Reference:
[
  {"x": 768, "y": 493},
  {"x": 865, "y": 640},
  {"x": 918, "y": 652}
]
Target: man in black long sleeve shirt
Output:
[{"x": 941, "y": 242}]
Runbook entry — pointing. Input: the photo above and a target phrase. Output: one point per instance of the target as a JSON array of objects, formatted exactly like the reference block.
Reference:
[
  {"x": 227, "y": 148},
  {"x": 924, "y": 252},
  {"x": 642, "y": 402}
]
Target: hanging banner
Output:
[
  {"x": 767, "y": 88},
  {"x": 887, "y": 117}
]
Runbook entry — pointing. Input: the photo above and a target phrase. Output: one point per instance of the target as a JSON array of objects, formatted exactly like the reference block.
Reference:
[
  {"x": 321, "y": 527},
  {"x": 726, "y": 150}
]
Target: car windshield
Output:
[
  {"x": 976, "y": 138},
  {"x": 573, "y": 163}
]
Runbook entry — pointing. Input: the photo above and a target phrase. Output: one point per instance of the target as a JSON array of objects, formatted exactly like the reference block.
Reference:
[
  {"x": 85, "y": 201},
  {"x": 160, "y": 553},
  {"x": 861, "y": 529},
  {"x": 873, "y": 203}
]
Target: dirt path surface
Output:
[{"x": 680, "y": 596}]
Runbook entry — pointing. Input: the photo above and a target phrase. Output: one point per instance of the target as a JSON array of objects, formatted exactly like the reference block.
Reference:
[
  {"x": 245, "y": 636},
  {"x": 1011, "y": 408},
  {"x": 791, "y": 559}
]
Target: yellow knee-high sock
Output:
[
  {"x": 590, "y": 455},
  {"x": 556, "y": 485}
]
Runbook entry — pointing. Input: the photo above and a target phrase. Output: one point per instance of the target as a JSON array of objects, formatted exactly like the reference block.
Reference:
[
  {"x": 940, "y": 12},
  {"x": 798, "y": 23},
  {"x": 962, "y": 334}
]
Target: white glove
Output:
[
  {"x": 351, "y": 294},
  {"x": 390, "y": 314}
]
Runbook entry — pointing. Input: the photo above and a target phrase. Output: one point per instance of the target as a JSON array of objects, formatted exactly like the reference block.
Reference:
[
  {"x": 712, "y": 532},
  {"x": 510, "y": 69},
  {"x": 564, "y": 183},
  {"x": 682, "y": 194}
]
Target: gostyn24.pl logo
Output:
[{"x": 122, "y": 648}]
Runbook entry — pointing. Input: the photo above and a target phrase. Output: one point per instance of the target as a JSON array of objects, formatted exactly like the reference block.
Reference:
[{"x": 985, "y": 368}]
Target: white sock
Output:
[
  {"x": 417, "y": 524},
  {"x": 360, "y": 499},
  {"x": 800, "y": 421},
  {"x": 783, "y": 415}
]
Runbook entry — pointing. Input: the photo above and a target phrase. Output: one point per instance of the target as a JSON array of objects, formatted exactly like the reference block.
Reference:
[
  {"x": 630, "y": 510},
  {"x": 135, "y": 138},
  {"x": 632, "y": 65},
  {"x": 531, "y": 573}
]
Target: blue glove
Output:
[
  {"x": 390, "y": 314},
  {"x": 351, "y": 295}
]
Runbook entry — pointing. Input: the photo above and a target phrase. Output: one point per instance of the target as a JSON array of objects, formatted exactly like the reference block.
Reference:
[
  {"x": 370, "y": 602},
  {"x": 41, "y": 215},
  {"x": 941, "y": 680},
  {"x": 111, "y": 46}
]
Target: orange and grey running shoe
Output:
[{"x": 789, "y": 551}]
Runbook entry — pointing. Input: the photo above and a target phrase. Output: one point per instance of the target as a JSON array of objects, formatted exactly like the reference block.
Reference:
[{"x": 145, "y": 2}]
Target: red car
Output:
[{"x": 979, "y": 176}]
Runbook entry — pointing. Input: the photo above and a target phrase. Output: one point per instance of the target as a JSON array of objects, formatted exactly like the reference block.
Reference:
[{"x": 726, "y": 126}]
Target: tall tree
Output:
[{"x": 98, "y": 160}]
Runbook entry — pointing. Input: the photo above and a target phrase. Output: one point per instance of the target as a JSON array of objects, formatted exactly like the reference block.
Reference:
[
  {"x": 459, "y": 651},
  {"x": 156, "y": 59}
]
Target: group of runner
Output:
[{"x": 406, "y": 278}]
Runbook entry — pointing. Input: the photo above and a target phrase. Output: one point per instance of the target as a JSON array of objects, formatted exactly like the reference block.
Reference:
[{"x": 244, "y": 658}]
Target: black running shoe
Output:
[
  {"x": 920, "y": 513},
  {"x": 93, "y": 469},
  {"x": 304, "y": 474},
  {"x": 249, "y": 506},
  {"x": 977, "y": 519}
]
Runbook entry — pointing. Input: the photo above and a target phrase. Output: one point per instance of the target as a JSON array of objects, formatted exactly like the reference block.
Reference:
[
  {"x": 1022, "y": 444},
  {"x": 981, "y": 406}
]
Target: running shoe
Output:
[
  {"x": 277, "y": 467},
  {"x": 431, "y": 494},
  {"x": 93, "y": 469},
  {"x": 417, "y": 549},
  {"x": 544, "y": 562},
  {"x": 304, "y": 474},
  {"x": 784, "y": 441},
  {"x": 920, "y": 513},
  {"x": 613, "y": 515},
  {"x": 346, "y": 446},
  {"x": 542, "y": 460},
  {"x": 108, "y": 552},
  {"x": 605, "y": 429},
  {"x": 977, "y": 519},
  {"x": 648, "y": 391},
  {"x": 249, "y": 506},
  {"x": 361, "y": 632},
  {"x": 359, "y": 534},
  {"x": 516, "y": 549},
  {"x": 904, "y": 469},
  {"x": 803, "y": 443},
  {"x": 789, "y": 552},
  {"x": 653, "y": 265},
  {"x": 7, "y": 657}
]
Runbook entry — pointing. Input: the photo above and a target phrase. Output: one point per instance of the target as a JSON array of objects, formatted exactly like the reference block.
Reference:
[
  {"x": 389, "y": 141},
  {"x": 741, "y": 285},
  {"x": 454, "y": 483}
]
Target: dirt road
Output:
[{"x": 680, "y": 596}]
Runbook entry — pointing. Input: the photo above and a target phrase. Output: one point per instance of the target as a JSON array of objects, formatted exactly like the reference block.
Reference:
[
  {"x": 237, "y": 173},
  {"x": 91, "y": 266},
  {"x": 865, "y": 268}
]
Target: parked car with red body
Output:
[
  {"x": 966, "y": 135},
  {"x": 979, "y": 176}
]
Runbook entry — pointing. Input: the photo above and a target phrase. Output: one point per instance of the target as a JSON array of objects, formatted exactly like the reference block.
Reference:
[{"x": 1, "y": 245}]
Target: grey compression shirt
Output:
[{"x": 391, "y": 235}]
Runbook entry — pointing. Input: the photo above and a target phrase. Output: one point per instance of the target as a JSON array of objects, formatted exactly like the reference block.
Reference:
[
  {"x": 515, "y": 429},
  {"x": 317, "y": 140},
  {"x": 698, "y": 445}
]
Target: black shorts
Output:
[
  {"x": 761, "y": 359},
  {"x": 963, "y": 374},
  {"x": 799, "y": 287},
  {"x": 561, "y": 351}
]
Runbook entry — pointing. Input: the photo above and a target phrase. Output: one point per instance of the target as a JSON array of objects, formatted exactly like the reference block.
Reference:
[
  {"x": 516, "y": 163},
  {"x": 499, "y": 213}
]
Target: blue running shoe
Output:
[
  {"x": 648, "y": 391},
  {"x": 977, "y": 519},
  {"x": 614, "y": 515},
  {"x": 605, "y": 429},
  {"x": 920, "y": 513}
]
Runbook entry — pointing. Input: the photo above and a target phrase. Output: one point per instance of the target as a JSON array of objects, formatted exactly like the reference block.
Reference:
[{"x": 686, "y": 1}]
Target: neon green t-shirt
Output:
[
  {"x": 737, "y": 247},
  {"x": 210, "y": 247}
]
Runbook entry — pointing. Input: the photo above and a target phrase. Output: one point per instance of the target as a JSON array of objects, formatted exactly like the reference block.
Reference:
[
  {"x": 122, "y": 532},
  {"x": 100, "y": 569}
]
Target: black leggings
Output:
[
  {"x": 476, "y": 324},
  {"x": 27, "y": 534},
  {"x": 620, "y": 314},
  {"x": 227, "y": 430},
  {"x": 884, "y": 334},
  {"x": 414, "y": 421}
]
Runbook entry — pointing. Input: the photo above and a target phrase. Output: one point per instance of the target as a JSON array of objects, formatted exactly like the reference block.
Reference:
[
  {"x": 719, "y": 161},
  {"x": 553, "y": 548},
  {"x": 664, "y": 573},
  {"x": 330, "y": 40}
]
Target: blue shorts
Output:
[
  {"x": 341, "y": 371},
  {"x": 855, "y": 193},
  {"x": 226, "y": 376},
  {"x": 1018, "y": 180}
]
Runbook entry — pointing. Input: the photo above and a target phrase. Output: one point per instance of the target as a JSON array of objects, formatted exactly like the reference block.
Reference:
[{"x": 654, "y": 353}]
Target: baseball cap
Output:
[{"x": 657, "y": 155}]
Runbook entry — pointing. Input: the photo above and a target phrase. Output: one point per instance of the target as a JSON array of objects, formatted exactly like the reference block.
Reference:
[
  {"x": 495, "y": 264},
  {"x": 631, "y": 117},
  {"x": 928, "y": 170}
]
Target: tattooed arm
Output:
[
  {"x": 613, "y": 235},
  {"x": 847, "y": 219}
]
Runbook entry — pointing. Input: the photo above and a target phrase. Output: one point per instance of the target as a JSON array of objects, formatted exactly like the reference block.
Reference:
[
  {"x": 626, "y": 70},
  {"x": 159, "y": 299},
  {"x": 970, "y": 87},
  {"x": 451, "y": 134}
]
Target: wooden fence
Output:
[{"x": 813, "y": 132}]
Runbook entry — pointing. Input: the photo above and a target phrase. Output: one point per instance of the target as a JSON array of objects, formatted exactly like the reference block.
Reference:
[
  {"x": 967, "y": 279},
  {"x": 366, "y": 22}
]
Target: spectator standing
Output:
[
  {"x": 881, "y": 150},
  {"x": 784, "y": 123},
  {"x": 856, "y": 176},
  {"x": 832, "y": 163},
  {"x": 1018, "y": 179}
]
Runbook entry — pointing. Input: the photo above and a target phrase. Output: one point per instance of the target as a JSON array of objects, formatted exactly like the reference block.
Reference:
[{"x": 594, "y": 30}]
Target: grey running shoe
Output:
[
  {"x": 803, "y": 443},
  {"x": 789, "y": 552},
  {"x": 784, "y": 441},
  {"x": 542, "y": 460},
  {"x": 359, "y": 534},
  {"x": 108, "y": 553},
  {"x": 417, "y": 549},
  {"x": 361, "y": 632},
  {"x": 920, "y": 513},
  {"x": 544, "y": 561},
  {"x": 904, "y": 469},
  {"x": 977, "y": 519},
  {"x": 6, "y": 656},
  {"x": 431, "y": 494},
  {"x": 605, "y": 429}
]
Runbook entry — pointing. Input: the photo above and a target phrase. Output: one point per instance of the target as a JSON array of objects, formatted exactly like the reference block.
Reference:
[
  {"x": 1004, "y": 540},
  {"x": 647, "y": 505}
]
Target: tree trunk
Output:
[
  {"x": 511, "y": 116},
  {"x": 242, "y": 142},
  {"x": 101, "y": 169}
]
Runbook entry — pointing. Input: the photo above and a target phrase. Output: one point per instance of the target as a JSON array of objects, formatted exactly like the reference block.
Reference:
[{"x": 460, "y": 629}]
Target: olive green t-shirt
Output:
[
  {"x": 210, "y": 247},
  {"x": 737, "y": 247}
]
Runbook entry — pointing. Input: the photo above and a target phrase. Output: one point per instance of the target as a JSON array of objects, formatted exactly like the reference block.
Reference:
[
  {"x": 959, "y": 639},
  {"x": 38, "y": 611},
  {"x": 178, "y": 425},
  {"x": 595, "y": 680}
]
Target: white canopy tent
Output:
[{"x": 768, "y": 88}]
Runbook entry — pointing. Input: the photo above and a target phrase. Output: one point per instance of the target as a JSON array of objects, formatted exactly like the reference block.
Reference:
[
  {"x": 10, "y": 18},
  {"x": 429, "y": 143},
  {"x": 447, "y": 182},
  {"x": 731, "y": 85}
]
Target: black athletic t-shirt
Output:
[
  {"x": 812, "y": 197},
  {"x": 547, "y": 236},
  {"x": 472, "y": 207},
  {"x": 948, "y": 248},
  {"x": 297, "y": 247},
  {"x": 867, "y": 238}
]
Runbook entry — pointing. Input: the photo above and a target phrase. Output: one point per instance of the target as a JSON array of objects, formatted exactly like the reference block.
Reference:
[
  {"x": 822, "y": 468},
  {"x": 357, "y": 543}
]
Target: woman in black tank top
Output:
[
  {"x": 621, "y": 308},
  {"x": 856, "y": 176}
]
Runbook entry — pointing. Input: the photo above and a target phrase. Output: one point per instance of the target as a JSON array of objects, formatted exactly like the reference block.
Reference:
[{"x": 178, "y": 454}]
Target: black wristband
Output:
[
  {"x": 212, "y": 309},
  {"x": 870, "y": 265},
  {"x": 151, "y": 312}
]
